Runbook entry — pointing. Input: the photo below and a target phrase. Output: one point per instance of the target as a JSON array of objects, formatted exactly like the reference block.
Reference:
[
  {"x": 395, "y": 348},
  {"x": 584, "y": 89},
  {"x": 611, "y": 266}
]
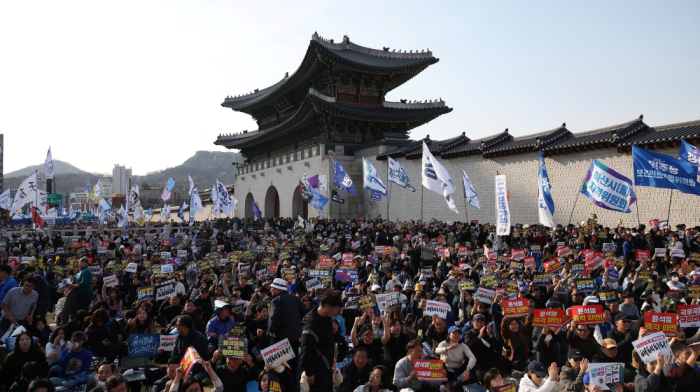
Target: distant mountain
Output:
[
  {"x": 59, "y": 167},
  {"x": 204, "y": 167}
]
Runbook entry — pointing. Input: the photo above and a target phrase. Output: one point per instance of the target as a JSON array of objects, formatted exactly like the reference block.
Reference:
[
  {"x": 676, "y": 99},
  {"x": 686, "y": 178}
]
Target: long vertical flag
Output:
[
  {"x": 26, "y": 193},
  {"x": 88, "y": 187},
  {"x": 502, "y": 208},
  {"x": 341, "y": 179},
  {"x": 256, "y": 210},
  {"x": 191, "y": 185},
  {"x": 608, "y": 189},
  {"x": 437, "y": 179},
  {"x": 181, "y": 211},
  {"x": 690, "y": 153},
  {"x": 662, "y": 171},
  {"x": 48, "y": 165},
  {"x": 165, "y": 212},
  {"x": 97, "y": 192},
  {"x": 123, "y": 216},
  {"x": 397, "y": 174},
  {"x": 469, "y": 192},
  {"x": 545, "y": 201}
]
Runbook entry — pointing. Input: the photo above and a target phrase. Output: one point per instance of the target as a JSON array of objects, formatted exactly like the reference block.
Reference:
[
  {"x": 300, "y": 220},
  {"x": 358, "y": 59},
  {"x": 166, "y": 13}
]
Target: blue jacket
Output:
[
  {"x": 627, "y": 246},
  {"x": 6, "y": 286},
  {"x": 72, "y": 363},
  {"x": 219, "y": 327}
]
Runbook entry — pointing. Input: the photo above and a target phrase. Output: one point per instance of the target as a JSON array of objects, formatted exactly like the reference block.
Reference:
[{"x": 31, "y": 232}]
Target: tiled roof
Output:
[
  {"x": 666, "y": 133},
  {"x": 418, "y": 113},
  {"x": 478, "y": 145},
  {"x": 436, "y": 147},
  {"x": 345, "y": 52},
  {"x": 529, "y": 142},
  {"x": 402, "y": 151},
  {"x": 613, "y": 135}
]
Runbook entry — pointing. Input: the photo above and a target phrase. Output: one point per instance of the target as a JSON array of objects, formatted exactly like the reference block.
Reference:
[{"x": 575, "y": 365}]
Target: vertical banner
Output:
[{"x": 502, "y": 210}]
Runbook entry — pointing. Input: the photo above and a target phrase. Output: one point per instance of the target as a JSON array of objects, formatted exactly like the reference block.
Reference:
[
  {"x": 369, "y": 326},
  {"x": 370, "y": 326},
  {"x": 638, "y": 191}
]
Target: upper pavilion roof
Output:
[{"x": 345, "y": 55}]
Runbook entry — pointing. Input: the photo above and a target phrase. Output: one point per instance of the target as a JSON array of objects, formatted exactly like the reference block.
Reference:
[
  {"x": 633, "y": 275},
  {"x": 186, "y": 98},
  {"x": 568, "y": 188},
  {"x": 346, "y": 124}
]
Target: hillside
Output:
[
  {"x": 59, "y": 167},
  {"x": 204, "y": 167}
]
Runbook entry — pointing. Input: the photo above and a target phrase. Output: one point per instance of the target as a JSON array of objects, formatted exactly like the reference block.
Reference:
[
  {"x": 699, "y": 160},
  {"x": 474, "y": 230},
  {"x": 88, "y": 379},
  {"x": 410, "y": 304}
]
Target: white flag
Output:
[
  {"x": 502, "y": 210},
  {"x": 224, "y": 200},
  {"x": 370, "y": 178},
  {"x": 123, "y": 216},
  {"x": 437, "y": 179},
  {"x": 166, "y": 212},
  {"x": 191, "y": 185},
  {"x": 98, "y": 190},
  {"x": 48, "y": 165},
  {"x": 397, "y": 174},
  {"x": 469, "y": 192},
  {"x": 26, "y": 193},
  {"x": 6, "y": 199},
  {"x": 545, "y": 202},
  {"x": 196, "y": 201}
]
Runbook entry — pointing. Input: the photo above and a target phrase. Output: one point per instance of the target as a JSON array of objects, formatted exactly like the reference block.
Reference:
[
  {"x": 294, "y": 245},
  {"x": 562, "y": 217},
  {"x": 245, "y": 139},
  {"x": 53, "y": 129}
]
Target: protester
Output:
[{"x": 317, "y": 343}]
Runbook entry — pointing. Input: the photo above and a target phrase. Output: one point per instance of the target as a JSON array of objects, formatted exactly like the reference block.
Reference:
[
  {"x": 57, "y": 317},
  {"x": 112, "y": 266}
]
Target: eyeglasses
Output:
[
  {"x": 576, "y": 295},
  {"x": 576, "y": 359},
  {"x": 582, "y": 330}
]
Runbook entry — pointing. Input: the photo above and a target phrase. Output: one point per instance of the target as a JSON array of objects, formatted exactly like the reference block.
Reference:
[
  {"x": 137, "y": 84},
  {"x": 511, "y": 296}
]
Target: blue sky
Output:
[{"x": 141, "y": 82}]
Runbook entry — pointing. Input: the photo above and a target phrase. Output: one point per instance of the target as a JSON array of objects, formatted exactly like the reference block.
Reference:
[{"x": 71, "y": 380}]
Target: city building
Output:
[
  {"x": 121, "y": 179},
  {"x": 107, "y": 186}
]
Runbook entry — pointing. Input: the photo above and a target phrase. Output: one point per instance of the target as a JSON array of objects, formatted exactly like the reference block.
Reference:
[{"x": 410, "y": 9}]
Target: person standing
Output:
[
  {"x": 8, "y": 282},
  {"x": 284, "y": 321},
  {"x": 318, "y": 343},
  {"x": 19, "y": 306},
  {"x": 427, "y": 249},
  {"x": 84, "y": 285}
]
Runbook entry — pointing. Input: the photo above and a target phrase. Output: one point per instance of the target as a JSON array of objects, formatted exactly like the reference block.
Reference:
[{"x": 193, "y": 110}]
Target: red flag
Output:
[{"x": 36, "y": 217}]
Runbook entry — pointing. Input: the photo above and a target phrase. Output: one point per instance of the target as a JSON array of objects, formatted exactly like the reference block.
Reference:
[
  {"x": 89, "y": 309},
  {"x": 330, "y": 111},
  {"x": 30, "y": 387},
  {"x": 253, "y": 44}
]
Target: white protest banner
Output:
[
  {"x": 65, "y": 282},
  {"x": 439, "y": 308},
  {"x": 101, "y": 249},
  {"x": 10, "y": 331},
  {"x": 166, "y": 268},
  {"x": 278, "y": 353},
  {"x": 648, "y": 346},
  {"x": 182, "y": 253},
  {"x": 110, "y": 281},
  {"x": 604, "y": 374},
  {"x": 485, "y": 295},
  {"x": 132, "y": 267},
  {"x": 165, "y": 290},
  {"x": 660, "y": 252},
  {"x": 314, "y": 283},
  {"x": 689, "y": 315},
  {"x": 165, "y": 255},
  {"x": 167, "y": 342},
  {"x": 677, "y": 253},
  {"x": 388, "y": 300}
]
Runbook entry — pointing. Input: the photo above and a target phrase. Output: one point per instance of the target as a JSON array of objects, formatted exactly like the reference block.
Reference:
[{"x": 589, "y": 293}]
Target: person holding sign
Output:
[
  {"x": 194, "y": 383},
  {"x": 237, "y": 372},
  {"x": 580, "y": 337},
  {"x": 187, "y": 337},
  {"x": 454, "y": 353},
  {"x": 404, "y": 374},
  {"x": 650, "y": 377}
]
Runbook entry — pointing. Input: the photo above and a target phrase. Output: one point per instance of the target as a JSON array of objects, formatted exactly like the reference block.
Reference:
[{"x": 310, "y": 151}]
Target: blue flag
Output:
[
  {"x": 319, "y": 201},
  {"x": 545, "y": 202},
  {"x": 691, "y": 154},
  {"x": 150, "y": 211},
  {"x": 171, "y": 183},
  {"x": 256, "y": 210},
  {"x": 662, "y": 171},
  {"x": 89, "y": 188},
  {"x": 370, "y": 178},
  {"x": 375, "y": 196},
  {"x": 341, "y": 179},
  {"x": 181, "y": 211},
  {"x": 608, "y": 189}
]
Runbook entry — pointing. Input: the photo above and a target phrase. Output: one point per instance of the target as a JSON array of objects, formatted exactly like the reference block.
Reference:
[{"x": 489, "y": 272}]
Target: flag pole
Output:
[
  {"x": 421, "y": 203},
  {"x": 388, "y": 200},
  {"x": 466, "y": 214},
  {"x": 576, "y": 200},
  {"x": 668, "y": 217},
  {"x": 639, "y": 223}
]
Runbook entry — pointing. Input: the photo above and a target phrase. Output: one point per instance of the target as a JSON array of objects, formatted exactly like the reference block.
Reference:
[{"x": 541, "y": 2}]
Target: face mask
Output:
[
  {"x": 674, "y": 279},
  {"x": 102, "y": 385},
  {"x": 548, "y": 338}
]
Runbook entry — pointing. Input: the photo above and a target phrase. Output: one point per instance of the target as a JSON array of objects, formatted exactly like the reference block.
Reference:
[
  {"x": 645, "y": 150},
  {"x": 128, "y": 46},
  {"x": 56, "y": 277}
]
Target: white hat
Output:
[
  {"x": 279, "y": 284},
  {"x": 375, "y": 287},
  {"x": 591, "y": 298}
]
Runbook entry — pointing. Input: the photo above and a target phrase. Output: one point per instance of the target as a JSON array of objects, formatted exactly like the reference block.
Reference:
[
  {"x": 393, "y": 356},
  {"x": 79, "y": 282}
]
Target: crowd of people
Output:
[{"x": 361, "y": 303}]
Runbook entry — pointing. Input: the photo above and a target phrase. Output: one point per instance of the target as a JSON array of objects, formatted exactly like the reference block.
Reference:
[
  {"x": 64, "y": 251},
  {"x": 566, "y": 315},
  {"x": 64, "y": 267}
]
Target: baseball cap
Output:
[
  {"x": 419, "y": 287},
  {"x": 479, "y": 316},
  {"x": 575, "y": 353},
  {"x": 591, "y": 298},
  {"x": 375, "y": 287},
  {"x": 621, "y": 316},
  {"x": 78, "y": 336},
  {"x": 537, "y": 367},
  {"x": 609, "y": 343},
  {"x": 452, "y": 329}
]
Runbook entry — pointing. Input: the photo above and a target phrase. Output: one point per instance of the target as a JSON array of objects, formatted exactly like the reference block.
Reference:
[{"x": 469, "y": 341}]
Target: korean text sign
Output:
[
  {"x": 661, "y": 322},
  {"x": 515, "y": 308},
  {"x": 592, "y": 314},
  {"x": 429, "y": 370}
]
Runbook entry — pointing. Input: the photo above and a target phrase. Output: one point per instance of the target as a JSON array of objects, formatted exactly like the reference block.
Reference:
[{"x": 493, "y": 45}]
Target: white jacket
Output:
[
  {"x": 453, "y": 359},
  {"x": 547, "y": 385}
]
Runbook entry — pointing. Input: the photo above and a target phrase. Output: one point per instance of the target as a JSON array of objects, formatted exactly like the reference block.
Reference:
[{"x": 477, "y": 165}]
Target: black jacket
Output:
[
  {"x": 317, "y": 343},
  {"x": 480, "y": 350},
  {"x": 234, "y": 381},
  {"x": 193, "y": 339},
  {"x": 353, "y": 378},
  {"x": 285, "y": 316}
]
